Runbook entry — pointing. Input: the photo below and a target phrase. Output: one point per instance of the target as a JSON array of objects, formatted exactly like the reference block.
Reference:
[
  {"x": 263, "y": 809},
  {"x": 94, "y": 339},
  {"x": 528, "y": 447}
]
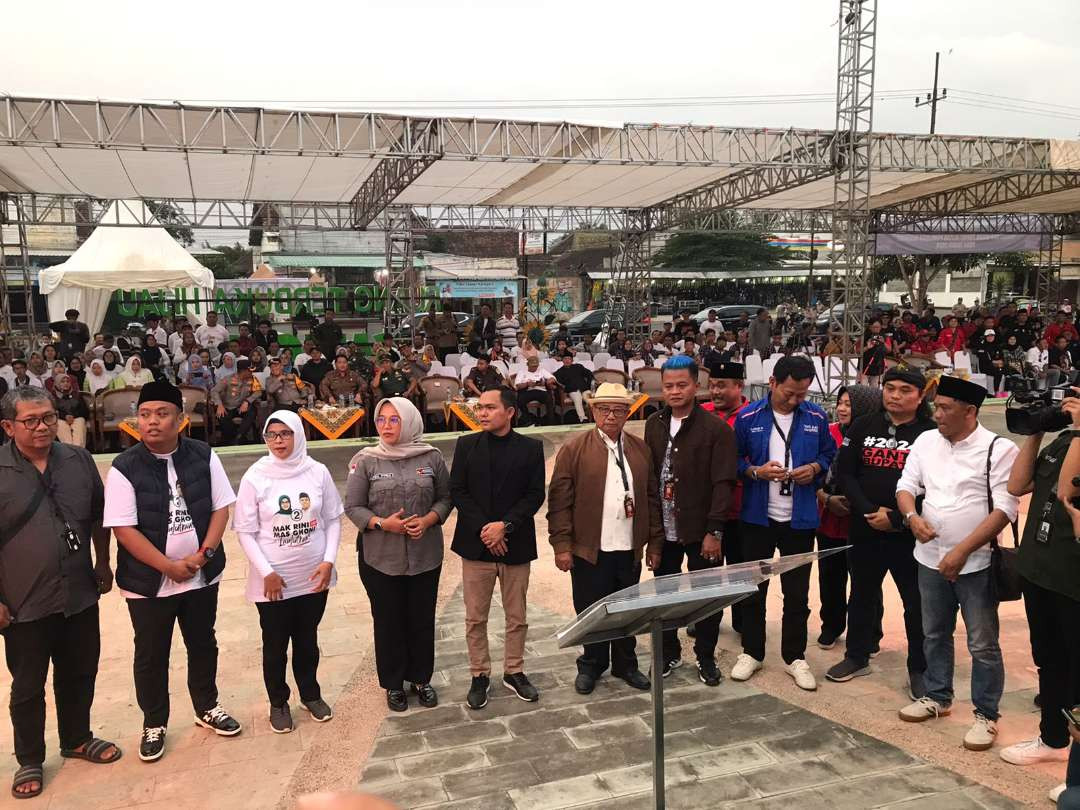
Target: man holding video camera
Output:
[{"x": 1049, "y": 562}]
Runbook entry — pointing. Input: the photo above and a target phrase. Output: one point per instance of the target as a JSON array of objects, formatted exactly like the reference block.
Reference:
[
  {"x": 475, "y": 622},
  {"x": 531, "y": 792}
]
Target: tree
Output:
[
  {"x": 919, "y": 271},
  {"x": 739, "y": 250},
  {"x": 232, "y": 261},
  {"x": 173, "y": 221}
]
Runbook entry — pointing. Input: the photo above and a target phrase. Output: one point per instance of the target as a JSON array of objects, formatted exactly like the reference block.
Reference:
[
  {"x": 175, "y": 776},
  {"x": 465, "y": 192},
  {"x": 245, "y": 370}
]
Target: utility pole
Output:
[{"x": 933, "y": 98}]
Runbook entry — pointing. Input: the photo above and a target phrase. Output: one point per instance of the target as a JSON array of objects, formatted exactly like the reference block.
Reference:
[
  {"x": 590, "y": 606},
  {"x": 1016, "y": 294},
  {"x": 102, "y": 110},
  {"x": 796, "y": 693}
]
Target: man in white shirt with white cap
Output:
[{"x": 962, "y": 470}]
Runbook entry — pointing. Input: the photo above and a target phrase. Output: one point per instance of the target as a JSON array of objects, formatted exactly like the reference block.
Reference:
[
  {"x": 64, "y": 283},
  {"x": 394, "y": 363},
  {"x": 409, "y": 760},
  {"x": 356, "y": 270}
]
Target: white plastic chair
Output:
[
  {"x": 589, "y": 364},
  {"x": 601, "y": 358},
  {"x": 453, "y": 361},
  {"x": 755, "y": 373},
  {"x": 768, "y": 365},
  {"x": 467, "y": 361},
  {"x": 615, "y": 363},
  {"x": 634, "y": 365},
  {"x": 579, "y": 356},
  {"x": 502, "y": 366},
  {"x": 942, "y": 359},
  {"x": 550, "y": 364},
  {"x": 962, "y": 362}
]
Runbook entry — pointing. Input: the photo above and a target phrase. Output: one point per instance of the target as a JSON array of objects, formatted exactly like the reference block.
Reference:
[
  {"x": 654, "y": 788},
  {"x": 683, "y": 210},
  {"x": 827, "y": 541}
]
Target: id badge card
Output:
[
  {"x": 628, "y": 505},
  {"x": 785, "y": 487}
]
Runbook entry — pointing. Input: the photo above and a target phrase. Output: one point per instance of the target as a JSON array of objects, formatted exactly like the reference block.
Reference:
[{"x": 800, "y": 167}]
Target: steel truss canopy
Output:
[{"x": 223, "y": 166}]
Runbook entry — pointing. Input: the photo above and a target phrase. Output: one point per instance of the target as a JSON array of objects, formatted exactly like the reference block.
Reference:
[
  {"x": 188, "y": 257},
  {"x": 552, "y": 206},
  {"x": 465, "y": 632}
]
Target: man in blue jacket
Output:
[{"x": 784, "y": 450}]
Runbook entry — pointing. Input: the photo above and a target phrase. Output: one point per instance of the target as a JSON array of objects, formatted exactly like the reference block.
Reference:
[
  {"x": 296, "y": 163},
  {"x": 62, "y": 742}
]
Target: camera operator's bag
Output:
[{"x": 1004, "y": 576}]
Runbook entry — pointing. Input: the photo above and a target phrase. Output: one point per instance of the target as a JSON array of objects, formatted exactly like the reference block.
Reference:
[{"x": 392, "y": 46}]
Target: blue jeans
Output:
[
  {"x": 1070, "y": 799},
  {"x": 940, "y": 600}
]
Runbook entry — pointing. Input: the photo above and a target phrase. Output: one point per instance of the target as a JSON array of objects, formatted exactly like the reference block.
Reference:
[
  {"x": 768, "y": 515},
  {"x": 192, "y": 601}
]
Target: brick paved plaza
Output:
[{"x": 754, "y": 745}]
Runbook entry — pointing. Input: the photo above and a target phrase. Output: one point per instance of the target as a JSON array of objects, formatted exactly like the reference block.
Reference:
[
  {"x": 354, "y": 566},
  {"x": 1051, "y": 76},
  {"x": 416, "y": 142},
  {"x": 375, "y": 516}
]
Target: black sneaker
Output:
[
  {"x": 397, "y": 700},
  {"x": 671, "y": 665},
  {"x": 520, "y": 686},
  {"x": 281, "y": 719},
  {"x": 429, "y": 698},
  {"x": 846, "y": 670},
  {"x": 478, "y": 692},
  {"x": 708, "y": 674},
  {"x": 153, "y": 743},
  {"x": 319, "y": 709},
  {"x": 691, "y": 630},
  {"x": 826, "y": 641},
  {"x": 218, "y": 721}
]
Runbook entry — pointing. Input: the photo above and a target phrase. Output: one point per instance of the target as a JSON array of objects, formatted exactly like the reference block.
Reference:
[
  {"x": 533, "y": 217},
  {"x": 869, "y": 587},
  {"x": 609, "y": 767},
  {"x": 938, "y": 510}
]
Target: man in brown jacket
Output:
[
  {"x": 696, "y": 470},
  {"x": 603, "y": 511}
]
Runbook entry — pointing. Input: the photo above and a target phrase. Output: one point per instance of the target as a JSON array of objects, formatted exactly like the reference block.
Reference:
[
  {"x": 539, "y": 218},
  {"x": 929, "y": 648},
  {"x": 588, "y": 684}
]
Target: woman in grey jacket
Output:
[{"x": 398, "y": 495}]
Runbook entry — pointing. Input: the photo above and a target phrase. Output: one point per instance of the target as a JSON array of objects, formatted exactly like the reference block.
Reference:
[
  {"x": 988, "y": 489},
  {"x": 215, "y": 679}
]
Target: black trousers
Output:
[
  {"x": 153, "y": 620},
  {"x": 1053, "y": 622},
  {"x": 73, "y": 645},
  {"x": 832, "y": 587},
  {"x": 869, "y": 559},
  {"x": 441, "y": 352},
  {"x": 613, "y": 571},
  {"x": 403, "y": 612},
  {"x": 297, "y": 620},
  {"x": 760, "y": 543},
  {"x": 733, "y": 555},
  {"x": 707, "y": 630},
  {"x": 230, "y": 431},
  {"x": 534, "y": 395}
]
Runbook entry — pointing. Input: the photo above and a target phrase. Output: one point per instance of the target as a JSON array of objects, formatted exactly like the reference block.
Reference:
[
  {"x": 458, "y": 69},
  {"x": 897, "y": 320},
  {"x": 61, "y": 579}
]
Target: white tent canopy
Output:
[{"x": 120, "y": 258}]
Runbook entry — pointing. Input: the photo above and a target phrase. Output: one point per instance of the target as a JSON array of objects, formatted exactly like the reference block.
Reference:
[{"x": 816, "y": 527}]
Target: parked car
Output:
[
  {"x": 727, "y": 313},
  {"x": 590, "y": 322},
  {"x": 822, "y": 321}
]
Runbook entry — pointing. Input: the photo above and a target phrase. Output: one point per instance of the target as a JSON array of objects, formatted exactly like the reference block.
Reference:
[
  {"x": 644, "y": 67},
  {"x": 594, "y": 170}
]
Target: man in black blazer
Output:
[
  {"x": 497, "y": 483},
  {"x": 483, "y": 329}
]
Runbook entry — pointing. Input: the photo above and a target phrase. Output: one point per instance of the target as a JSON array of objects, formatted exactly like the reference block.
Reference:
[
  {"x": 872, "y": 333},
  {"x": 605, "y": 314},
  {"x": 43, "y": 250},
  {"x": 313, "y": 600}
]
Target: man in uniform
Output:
[
  {"x": 483, "y": 377},
  {"x": 235, "y": 398}
]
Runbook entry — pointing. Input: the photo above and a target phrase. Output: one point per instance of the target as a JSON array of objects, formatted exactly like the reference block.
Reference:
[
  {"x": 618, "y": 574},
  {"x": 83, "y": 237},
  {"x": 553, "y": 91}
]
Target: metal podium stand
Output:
[{"x": 667, "y": 603}]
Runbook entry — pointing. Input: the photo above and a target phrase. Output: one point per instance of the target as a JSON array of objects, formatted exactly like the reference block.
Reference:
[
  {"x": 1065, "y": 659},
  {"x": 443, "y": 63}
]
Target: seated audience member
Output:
[
  {"x": 534, "y": 385},
  {"x": 245, "y": 343},
  {"x": 71, "y": 409},
  {"x": 153, "y": 358},
  {"x": 111, "y": 359},
  {"x": 97, "y": 379},
  {"x": 392, "y": 382},
  {"x": 342, "y": 383},
  {"x": 315, "y": 368},
  {"x": 284, "y": 389},
  {"x": 227, "y": 367},
  {"x": 265, "y": 336},
  {"x": 483, "y": 377},
  {"x": 235, "y": 398},
  {"x": 19, "y": 376},
  {"x": 133, "y": 375},
  {"x": 576, "y": 381}
]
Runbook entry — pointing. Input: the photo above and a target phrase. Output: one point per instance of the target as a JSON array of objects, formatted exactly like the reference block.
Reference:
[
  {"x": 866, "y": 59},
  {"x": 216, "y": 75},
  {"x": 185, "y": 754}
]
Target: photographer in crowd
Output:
[{"x": 1049, "y": 563}]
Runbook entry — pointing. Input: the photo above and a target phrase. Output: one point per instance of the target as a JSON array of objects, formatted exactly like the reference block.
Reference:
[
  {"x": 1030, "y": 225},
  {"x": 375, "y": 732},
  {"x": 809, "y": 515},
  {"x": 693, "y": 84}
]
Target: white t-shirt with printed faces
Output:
[
  {"x": 121, "y": 509},
  {"x": 288, "y": 517}
]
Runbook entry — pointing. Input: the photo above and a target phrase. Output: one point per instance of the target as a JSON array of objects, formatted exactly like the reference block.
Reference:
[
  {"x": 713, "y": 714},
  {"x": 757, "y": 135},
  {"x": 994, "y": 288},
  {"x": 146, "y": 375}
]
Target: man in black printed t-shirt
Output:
[{"x": 869, "y": 465}]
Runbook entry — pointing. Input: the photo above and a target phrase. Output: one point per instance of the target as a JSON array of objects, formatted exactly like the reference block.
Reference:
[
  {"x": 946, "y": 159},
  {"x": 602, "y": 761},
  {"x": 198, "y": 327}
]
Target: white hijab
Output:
[
  {"x": 412, "y": 431},
  {"x": 270, "y": 466},
  {"x": 133, "y": 380},
  {"x": 97, "y": 381}
]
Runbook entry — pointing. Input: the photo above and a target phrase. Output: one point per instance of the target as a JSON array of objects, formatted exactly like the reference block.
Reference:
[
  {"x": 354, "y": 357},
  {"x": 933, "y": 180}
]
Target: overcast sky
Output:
[{"x": 363, "y": 55}]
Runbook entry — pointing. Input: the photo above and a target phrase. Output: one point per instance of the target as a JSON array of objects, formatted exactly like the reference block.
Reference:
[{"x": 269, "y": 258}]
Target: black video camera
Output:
[{"x": 1035, "y": 407}]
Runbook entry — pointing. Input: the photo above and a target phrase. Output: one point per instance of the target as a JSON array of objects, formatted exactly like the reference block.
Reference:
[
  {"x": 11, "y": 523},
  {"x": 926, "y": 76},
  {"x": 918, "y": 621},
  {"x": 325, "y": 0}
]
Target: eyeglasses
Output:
[
  {"x": 604, "y": 412},
  {"x": 274, "y": 435},
  {"x": 33, "y": 422},
  {"x": 387, "y": 420}
]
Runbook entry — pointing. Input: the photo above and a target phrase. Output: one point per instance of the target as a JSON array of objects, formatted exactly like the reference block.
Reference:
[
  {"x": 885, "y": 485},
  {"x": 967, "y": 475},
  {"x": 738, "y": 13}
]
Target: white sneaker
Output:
[
  {"x": 1029, "y": 752},
  {"x": 1055, "y": 792},
  {"x": 799, "y": 670},
  {"x": 745, "y": 666},
  {"x": 981, "y": 735},
  {"x": 924, "y": 708}
]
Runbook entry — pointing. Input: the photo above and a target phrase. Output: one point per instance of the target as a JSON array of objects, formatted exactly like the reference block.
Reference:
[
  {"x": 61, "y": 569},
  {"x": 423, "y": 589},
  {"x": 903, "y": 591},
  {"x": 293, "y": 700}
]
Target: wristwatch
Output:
[
  {"x": 908, "y": 516},
  {"x": 508, "y": 527},
  {"x": 378, "y": 524},
  {"x": 208, "y": 552}
]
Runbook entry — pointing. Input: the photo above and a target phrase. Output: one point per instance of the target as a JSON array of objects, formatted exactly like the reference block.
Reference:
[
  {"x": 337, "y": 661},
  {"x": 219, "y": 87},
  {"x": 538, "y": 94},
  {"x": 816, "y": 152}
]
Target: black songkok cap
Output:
[
  {"x": 161, "y": 391},
  {"x": 963, "y": 390}
]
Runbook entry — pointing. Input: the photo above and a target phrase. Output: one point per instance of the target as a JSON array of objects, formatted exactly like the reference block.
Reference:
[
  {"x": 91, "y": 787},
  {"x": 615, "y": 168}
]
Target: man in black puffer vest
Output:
[{"x": 167, "y": 500}]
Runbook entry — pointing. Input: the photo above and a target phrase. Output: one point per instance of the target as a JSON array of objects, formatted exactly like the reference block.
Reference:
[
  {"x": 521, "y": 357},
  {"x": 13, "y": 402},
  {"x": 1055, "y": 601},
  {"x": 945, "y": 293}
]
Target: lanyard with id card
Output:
[
  {"x": 628, "y": 496},
  {"x": 786, "y": 484}
]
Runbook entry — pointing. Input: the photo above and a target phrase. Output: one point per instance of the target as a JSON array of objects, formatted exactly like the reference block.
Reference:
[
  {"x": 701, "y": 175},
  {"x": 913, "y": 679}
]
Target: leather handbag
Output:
[{"x": 1004, "y": 576}]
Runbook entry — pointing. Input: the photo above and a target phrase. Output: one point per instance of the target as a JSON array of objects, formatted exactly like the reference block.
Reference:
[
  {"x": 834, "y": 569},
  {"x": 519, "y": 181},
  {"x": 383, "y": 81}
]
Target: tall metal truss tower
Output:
[
  {"x": 1048, "y": 273},
  {"x": 13, "y": 242},
  {"x": 628, "y": 295},
  {"x": 851, "y": 270},
  {"x": 402, "y": 295}
]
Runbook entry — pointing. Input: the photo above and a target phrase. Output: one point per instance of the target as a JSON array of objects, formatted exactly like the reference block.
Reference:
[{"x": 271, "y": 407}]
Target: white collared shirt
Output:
[
  {"x": 536, "y": 379},
  {"x": 616, "y": 529},
  {"x": 953, "y": 477}
]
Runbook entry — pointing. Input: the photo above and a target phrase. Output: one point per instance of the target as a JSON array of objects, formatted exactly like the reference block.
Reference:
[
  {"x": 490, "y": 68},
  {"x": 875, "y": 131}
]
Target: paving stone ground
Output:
[{"x": 729, "y": 747}]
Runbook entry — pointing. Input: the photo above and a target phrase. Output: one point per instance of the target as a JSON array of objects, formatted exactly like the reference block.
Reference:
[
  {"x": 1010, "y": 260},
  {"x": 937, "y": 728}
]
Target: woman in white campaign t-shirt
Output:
[{"x": 288, "y": 518}]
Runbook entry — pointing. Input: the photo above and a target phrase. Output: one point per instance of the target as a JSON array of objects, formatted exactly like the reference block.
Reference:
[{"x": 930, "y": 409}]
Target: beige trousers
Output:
[
  {"x": 75, "y": 433},
  {"x": 478, "y": 584}
]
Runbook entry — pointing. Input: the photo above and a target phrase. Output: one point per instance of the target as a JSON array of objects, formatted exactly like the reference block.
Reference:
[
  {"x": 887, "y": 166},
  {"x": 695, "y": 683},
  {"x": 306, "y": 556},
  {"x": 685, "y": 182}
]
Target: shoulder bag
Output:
[{"x": 1004, "y": 577}]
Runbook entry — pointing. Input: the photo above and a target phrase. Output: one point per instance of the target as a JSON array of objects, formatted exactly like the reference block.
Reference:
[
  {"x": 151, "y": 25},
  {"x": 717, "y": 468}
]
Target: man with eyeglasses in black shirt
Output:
[{"x": 869, "y": 465}]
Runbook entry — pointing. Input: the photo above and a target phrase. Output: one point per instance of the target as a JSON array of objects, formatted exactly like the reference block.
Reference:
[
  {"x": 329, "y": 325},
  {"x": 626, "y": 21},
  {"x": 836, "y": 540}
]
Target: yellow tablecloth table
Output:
[
  {"x": 130, "y": 426},
  {"x": 332, "y": 421}
]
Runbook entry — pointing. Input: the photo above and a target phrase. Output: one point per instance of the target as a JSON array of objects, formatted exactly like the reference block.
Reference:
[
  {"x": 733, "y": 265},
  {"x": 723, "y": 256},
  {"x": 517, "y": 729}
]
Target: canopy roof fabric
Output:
[
  {"x": 118, "y": 150},
  {"x": 115, "y": 258}
]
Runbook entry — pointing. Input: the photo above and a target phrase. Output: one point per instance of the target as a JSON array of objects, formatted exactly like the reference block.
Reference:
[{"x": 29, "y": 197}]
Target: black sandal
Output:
[
  {"x": 24, "y": 776},
  {"x": 94, "y": 751}
]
